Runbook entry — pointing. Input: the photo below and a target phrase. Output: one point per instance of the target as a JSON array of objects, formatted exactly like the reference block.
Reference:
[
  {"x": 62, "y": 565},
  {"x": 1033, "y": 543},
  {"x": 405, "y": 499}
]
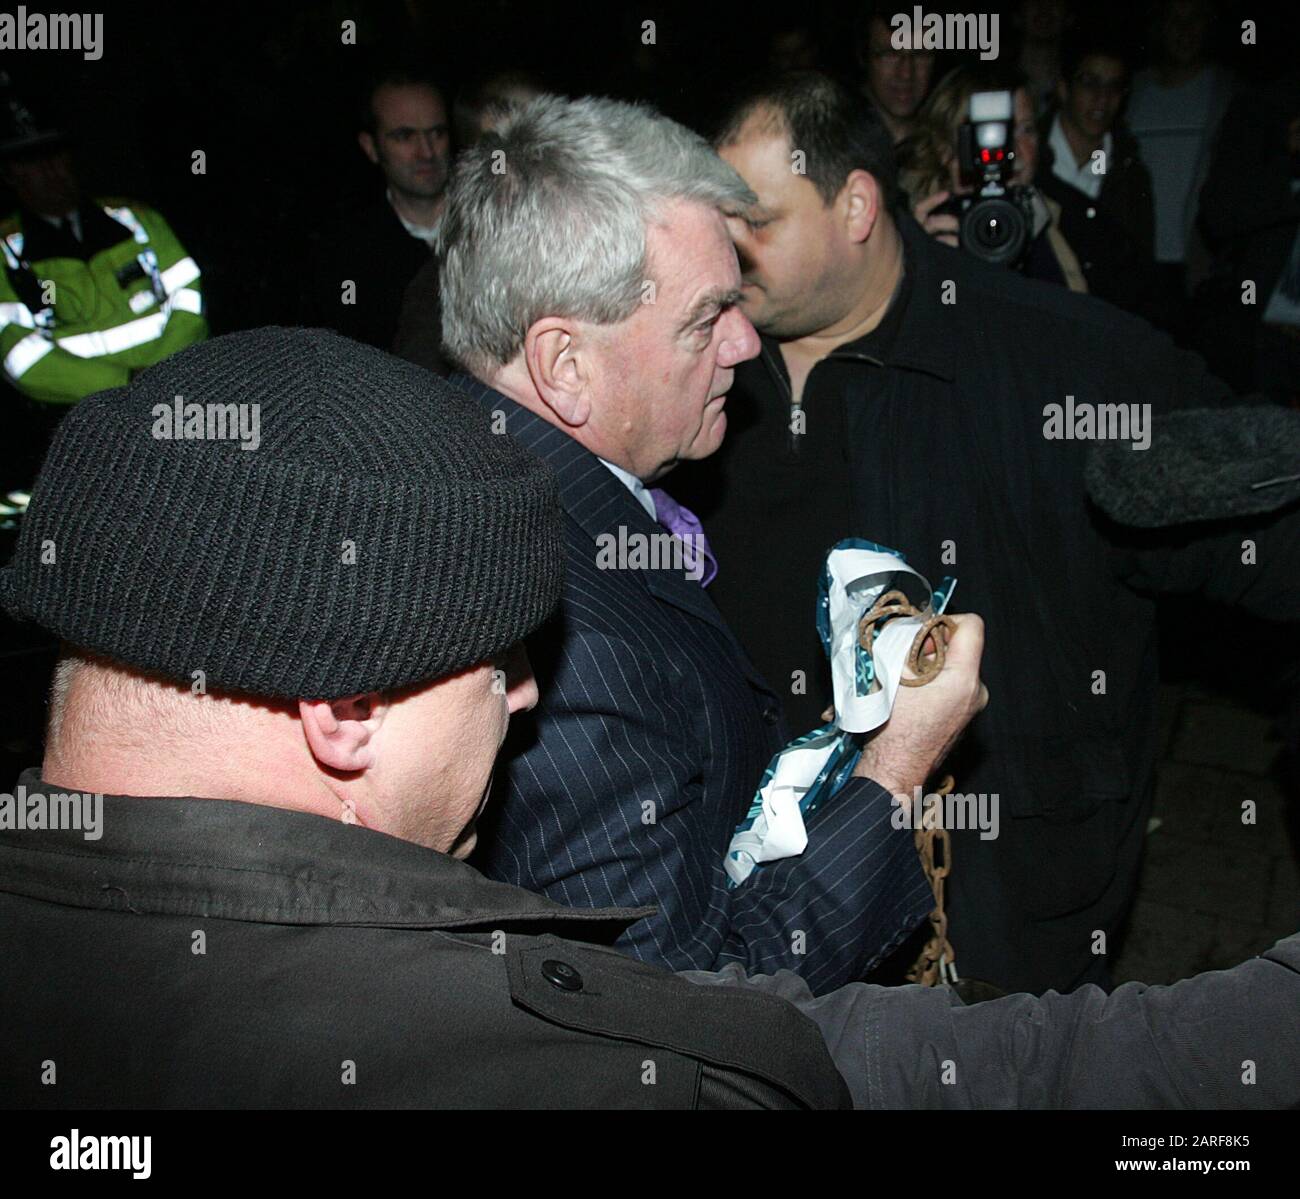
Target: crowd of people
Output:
[{"x": 370, "y": 717}]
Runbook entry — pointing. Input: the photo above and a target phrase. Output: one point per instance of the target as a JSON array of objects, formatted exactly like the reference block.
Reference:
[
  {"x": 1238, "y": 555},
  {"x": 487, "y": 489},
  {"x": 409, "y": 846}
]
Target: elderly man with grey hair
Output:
[{"x": 590, "y": 288}]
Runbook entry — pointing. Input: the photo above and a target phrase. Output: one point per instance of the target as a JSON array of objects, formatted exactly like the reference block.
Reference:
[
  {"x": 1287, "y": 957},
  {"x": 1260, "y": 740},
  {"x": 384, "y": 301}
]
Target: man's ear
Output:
[
  {"x": 367, "y": 143},
  {"x": 339, "y": 731},
  {"x": 861, "y": 202},
  {"x": 558, "y": 369}
]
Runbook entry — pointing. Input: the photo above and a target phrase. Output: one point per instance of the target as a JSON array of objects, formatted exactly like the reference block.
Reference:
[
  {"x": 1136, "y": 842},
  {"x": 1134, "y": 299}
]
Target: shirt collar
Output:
[
  {"x": 1064, "y": 166},
  {"x": 639, "y": 491},
  {"x": 1062, "y": 155},
  {"x": 424, "y": 233},
  {"x": 918, "y": 331}
]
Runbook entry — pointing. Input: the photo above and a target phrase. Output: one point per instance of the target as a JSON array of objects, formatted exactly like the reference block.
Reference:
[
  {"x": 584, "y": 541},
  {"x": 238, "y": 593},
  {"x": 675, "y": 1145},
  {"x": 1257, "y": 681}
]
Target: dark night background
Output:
[{"x": 268, "y": 92}]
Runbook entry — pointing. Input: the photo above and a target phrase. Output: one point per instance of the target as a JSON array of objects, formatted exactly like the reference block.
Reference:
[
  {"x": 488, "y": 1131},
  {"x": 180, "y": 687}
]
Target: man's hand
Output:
[
  {"x": 927, "y": 720},
  {"x": 942, "y": 225}
]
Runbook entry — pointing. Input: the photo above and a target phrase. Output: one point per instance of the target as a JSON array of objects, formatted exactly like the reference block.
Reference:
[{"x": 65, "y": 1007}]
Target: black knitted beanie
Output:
[{"x": 378, "y": 535}]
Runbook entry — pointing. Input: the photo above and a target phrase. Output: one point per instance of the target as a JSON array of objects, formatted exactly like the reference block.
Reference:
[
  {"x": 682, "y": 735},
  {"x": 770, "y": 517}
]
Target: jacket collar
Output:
[
  {"x": 43, "y": 241},
  {"x": 923, "y": 339},
  {"x": 593, "y": 496},
  {"x": 589, "y": 492},
  {"x": 239, "y": 861},
  {"x": 1123, "y": 143}
]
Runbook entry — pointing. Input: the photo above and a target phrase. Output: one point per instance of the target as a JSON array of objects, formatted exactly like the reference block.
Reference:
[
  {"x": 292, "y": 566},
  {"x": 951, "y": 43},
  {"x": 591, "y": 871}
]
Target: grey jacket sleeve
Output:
[{"x": 1227, "y": 1039}]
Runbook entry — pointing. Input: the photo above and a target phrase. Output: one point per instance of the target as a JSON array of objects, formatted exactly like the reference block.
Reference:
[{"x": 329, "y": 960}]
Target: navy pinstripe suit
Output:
[{"x": 623, "y": 787}]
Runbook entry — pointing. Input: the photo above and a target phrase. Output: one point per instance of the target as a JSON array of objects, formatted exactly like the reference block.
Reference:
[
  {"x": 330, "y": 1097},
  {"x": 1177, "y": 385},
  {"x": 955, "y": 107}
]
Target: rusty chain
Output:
[{"x": 937, "y": 961}]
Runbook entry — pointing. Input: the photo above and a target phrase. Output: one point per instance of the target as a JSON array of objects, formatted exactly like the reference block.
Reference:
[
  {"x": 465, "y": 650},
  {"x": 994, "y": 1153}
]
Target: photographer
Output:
[{"x": 932, "y": 175}]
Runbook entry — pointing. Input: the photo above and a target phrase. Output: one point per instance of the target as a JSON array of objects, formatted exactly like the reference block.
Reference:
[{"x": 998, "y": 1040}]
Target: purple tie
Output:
[{"x": 681, "y": 522}]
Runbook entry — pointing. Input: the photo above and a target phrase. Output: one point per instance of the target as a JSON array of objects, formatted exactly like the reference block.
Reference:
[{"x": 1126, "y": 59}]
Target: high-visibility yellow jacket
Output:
[{"x": 71, "y": 326}]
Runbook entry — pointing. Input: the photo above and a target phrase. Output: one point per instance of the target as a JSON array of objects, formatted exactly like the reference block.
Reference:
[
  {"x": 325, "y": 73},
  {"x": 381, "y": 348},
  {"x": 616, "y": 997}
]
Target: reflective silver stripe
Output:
[
  {"x": 133, "y": 333},
  {"x": 13, "y": 248},
  {"x": 180, "y": 274},
  {"x": 175, "y": 280},
  {"x": 26, "y": 354},
  {"x": 128, "y": 218},
  {"x": 17, "y": 314},
  {"x": 116, "y": 339},
  {"x": 186, "y": 300}
]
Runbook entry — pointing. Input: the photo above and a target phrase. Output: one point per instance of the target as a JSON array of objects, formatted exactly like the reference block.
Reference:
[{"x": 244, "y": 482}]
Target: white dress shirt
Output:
[
  {"x": 635, "y": 486},
  {"x": 1083, "y": 177}
]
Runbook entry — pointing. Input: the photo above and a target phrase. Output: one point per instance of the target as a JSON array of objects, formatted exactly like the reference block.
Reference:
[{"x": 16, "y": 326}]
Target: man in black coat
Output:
[
  {"x": 362, "y": 260},
  {"x": 235, "y": 881},
  {"x": 1250, "y": 214},
  {"x": 1091, "y": 166},
  {"x": 911, "y": 395}
]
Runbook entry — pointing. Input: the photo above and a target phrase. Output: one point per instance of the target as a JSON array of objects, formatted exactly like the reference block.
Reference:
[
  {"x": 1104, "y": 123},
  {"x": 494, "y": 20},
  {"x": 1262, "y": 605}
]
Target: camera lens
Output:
[{"x": 994, "y": 230}]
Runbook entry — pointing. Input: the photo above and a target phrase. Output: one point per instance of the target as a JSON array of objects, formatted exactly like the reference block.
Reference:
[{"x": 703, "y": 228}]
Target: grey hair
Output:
[{"x": 547, "y": 216}]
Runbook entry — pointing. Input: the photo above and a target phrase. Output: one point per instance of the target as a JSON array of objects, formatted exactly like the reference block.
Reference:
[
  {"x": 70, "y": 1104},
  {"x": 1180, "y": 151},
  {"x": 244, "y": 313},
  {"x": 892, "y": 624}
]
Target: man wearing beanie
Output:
[
  {"x": 286, "y": 674},
  {"x": 285, "y": 677}
]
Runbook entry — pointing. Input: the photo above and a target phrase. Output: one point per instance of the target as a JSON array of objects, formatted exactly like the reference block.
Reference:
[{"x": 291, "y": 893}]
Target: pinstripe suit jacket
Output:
[{"x": 624, "y": 786}]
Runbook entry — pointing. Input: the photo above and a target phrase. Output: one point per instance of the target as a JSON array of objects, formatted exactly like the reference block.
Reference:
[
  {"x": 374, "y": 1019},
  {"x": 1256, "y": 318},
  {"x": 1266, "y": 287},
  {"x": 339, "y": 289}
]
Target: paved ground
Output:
[{"x": 1214, "y": 890}]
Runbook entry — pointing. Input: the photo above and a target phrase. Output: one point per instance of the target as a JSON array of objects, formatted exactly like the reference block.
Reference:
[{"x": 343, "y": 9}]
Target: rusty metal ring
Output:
[{"x": 926, "y": 669}]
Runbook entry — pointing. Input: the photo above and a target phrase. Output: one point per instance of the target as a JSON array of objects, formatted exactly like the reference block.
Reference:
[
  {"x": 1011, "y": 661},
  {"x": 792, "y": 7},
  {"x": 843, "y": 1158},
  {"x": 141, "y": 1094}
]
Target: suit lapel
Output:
[{"x": 597, "y": 500}]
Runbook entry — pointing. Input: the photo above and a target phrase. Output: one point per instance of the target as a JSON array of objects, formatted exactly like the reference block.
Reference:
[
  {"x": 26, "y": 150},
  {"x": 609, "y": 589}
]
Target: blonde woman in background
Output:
[{"x": 930, "y": 172}]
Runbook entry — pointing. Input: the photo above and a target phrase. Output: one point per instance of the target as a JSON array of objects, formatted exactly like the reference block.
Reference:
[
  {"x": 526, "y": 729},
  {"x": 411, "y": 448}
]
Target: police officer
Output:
[{"x": 92, "y": 290}]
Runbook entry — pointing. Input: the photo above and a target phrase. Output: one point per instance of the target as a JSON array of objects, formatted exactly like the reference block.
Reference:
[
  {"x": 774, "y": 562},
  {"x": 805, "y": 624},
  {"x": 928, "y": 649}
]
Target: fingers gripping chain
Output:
[
  {"x": 937, "y": 961},
  {"x": 895, "y": 603}
]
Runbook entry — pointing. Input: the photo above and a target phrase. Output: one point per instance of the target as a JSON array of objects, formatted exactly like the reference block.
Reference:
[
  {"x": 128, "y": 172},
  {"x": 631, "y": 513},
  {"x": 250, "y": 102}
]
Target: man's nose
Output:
[{"x": 741, "y": 341}]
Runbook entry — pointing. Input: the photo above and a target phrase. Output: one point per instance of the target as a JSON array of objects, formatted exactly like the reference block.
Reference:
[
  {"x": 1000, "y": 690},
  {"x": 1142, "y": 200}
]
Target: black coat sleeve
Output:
[
  {"x": 1248, "y": 188},
  {"x": 1252, "y": 564}
]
